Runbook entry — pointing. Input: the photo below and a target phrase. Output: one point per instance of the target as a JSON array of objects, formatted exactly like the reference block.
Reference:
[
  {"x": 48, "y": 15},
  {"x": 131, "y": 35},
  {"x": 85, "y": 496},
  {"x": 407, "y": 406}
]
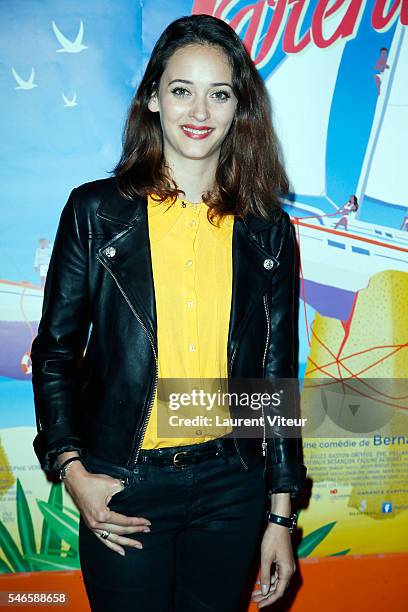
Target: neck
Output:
[{"x": 194, "y": 176}]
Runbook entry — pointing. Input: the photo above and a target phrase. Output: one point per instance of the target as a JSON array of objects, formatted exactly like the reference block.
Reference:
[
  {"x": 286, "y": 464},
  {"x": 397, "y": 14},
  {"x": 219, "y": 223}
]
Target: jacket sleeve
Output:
[
  {"x": 58, "y": 348},
  {"x": 285, "y": 471}
]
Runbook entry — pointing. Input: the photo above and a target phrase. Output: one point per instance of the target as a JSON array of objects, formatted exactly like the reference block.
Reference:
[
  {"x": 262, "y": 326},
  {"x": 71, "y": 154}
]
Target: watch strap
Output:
[{"x": 285, "y": 521}]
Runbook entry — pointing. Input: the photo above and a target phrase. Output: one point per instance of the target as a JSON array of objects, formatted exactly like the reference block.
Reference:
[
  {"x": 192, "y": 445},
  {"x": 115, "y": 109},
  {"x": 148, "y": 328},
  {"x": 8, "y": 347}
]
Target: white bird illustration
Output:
[
  {"x": 29, "y": 84},
  {"x": 72, "y": 102},
  {"x": 69, "y": 46}
]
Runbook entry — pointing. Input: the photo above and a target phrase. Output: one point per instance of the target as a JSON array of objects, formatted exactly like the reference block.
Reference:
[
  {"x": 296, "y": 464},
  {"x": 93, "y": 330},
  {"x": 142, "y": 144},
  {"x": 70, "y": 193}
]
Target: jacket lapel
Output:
[
  {"x": 253, "y": 267},
  {"x": 127, "y": 257}
]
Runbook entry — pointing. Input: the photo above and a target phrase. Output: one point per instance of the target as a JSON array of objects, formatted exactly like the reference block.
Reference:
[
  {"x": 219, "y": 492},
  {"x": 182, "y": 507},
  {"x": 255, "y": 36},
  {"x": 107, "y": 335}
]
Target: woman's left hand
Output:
[{"x": 276, "y": 548}]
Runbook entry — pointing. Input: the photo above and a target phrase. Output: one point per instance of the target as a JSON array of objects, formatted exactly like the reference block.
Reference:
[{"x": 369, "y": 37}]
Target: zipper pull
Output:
[{"x": 264, "y": 447}]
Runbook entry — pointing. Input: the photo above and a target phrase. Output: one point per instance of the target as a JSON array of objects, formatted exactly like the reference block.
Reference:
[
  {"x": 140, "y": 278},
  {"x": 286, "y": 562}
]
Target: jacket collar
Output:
[
  {"x": 129, "y": 262},
  {"x": 117, "y": 209}
]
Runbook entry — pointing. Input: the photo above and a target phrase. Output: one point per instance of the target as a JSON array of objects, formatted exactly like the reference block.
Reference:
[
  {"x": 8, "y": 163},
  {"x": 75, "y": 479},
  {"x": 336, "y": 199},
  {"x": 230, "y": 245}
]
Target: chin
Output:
[{"x": 195, "y": 153}]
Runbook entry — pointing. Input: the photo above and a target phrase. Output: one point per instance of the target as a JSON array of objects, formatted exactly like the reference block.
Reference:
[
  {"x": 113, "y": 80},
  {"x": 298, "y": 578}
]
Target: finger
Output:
[
  {"x": 110, "y": 516},
  {"x": 112, "y": 545},
  {"x": 280, "y": 589},
  {"x": 274, "y": 577},
  {"x": 258, "y": 596},
  {"x": 127, "y": 542},
  {"x": 272, "y": 585},
  {"x": 120, "y": 541},
  {"x": 113, "y": 493},
  {"x": 257, "y": 590},
  {"x": 265, "y": 577},
  {"x": 120, "y": 483},
  {"x": 118, "y": 529}
]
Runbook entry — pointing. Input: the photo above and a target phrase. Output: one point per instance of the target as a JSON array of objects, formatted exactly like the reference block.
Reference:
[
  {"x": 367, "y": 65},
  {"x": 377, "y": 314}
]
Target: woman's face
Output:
[{"x": 195, "y": 101}]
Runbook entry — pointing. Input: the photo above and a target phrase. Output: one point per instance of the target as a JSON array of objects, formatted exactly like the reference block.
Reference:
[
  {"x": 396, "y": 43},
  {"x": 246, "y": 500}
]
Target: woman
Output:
[
  {"x": 184, "y": 263},
  {"x": 345, "y": 211}
]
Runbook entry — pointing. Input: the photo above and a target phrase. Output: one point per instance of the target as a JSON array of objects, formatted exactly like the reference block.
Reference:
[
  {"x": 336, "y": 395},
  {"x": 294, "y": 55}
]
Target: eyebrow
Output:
[{"x": 191, "y": 83}]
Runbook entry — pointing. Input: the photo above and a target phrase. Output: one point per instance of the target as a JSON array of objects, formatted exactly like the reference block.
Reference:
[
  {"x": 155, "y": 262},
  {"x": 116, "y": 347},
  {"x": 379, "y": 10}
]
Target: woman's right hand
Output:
[{"x": 92, "y": 493}]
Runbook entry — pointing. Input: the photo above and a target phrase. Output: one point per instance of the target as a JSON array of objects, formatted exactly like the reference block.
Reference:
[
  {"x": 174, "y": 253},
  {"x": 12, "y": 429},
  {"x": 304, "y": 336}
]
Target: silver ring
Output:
[{"x": 105, "y": 534}]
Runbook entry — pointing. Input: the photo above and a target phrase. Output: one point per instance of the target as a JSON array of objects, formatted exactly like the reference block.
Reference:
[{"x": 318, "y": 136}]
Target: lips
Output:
[{"x": 196, "y": 132}]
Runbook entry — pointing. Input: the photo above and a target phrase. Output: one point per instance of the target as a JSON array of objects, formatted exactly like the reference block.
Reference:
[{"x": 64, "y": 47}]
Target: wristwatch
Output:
[{"x": 290, "y": 522}]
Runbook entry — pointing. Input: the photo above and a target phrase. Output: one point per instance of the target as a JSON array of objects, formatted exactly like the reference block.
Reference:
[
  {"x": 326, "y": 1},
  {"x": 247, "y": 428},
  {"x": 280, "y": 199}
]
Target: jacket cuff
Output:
[
  {"x": 51, "y": 442},
  {"x": 286, "y": 478}
]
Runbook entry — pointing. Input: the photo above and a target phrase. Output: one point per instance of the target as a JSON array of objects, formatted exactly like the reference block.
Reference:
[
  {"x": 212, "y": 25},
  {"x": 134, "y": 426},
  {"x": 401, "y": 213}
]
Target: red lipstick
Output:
[{"x": 196, "y": 132}]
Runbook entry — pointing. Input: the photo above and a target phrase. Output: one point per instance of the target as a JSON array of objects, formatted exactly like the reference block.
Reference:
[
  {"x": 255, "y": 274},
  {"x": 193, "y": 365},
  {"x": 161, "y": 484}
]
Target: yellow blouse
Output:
[{"x": 192, "y": 273}]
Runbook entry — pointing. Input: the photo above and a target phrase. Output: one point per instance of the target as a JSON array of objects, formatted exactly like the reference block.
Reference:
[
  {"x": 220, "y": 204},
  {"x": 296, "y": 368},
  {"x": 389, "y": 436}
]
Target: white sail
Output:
[
  {"x": 301, "y": 90},
  {"x": 384, "y": 169}
]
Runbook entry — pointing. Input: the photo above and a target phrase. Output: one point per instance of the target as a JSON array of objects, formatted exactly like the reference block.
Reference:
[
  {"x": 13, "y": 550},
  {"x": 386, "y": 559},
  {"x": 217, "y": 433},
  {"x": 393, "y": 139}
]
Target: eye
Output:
[
  {"x": 179, "y": 91},
  {"x": 221, "y": 95}
]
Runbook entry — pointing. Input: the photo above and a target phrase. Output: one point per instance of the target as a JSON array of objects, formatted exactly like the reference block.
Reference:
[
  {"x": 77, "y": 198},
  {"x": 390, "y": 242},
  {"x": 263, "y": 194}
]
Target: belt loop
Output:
[
  {"x": 142, "y": 471},
  {"x": 222, "y": 450}
]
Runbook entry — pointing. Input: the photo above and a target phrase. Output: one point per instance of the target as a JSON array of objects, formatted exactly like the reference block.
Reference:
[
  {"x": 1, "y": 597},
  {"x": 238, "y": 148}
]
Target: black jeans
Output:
[{"x": 202, "y": 554}]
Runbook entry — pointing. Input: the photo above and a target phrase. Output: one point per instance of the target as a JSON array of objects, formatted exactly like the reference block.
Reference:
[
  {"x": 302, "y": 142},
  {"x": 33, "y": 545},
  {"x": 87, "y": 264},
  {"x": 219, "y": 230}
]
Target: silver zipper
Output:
[
  {"x": 235, "y": 441},
  {"x": 264, "y": 443},
  {"x": 135, "y": 453},
  {"x": 232, "y": 358}
]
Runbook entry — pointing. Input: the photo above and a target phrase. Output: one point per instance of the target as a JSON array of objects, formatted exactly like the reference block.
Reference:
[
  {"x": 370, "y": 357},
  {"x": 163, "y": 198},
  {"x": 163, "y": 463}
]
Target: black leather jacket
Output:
[{"x": 100, "y": 281}]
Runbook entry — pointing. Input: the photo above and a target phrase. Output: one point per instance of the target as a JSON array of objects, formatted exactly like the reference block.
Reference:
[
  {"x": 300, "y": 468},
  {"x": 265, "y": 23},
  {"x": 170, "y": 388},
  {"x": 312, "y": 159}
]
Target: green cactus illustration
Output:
[{"x": 60, "y": 524}]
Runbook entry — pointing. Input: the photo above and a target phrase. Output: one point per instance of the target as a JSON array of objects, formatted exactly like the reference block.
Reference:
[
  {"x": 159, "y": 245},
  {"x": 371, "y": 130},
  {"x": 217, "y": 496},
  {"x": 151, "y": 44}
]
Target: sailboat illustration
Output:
[{"x": 338, "y": 263}]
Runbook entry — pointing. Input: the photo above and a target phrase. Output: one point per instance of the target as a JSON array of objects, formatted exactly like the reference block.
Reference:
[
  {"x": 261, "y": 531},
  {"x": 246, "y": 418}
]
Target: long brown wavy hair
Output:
[{"x": 250, "y": 176}]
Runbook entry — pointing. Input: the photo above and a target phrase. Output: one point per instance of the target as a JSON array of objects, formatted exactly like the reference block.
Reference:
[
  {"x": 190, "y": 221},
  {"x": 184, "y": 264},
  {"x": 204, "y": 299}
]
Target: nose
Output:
[{"x": 199, "y": 108}]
